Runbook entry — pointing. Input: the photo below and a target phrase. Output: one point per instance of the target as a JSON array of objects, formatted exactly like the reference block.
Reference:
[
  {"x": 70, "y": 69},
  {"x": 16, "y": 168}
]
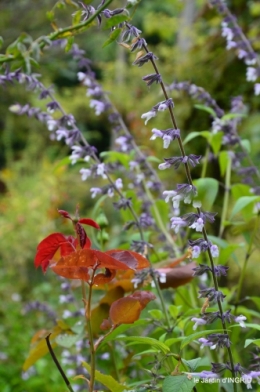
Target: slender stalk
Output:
[
  {"x": 55, "y": 360},
  {"x": 87, "y": 302},
  {"x": 226, "y": 197},
  {"x": 189, "y": 178}
]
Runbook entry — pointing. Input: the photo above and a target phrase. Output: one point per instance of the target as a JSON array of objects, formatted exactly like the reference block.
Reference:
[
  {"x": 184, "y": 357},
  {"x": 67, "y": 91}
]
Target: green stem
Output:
[
  {"x": 248, "y": 254},
  {"x": 55, "y": 360},
  {"x": 87, "y": 302},
  {"x": 226, "y": 197},
  {"x": 43, "y": 41},
  {"x": 205, "y": 163}
]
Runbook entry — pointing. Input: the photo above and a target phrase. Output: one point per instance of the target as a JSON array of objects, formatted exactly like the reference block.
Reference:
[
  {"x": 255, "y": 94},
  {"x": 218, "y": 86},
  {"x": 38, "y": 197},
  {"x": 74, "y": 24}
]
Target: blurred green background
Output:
[{"x": 186, "y": 37}]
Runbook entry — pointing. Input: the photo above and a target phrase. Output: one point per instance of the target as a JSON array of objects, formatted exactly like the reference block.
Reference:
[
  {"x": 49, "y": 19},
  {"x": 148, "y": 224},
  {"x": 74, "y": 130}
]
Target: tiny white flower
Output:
[
  {"x": 119, "y": 183},
  {"x": 195, "y": 251},
  {"x": 95, "y": 191},
  {"x": 241, "y": 320},
  {"x": 162, "y": 277},
  {"x": 51, "y": 125},
  {"x": 147, "y": 116},
  {"x": 198, "y": 225},
  {"x": 168, "y": 195},
  {"x": 164, "y": 166},
  {"x": 81, "y": 76},
  {"x": 257, "y": 89},
  {"x": 101, "y": 170},
  {"x": 166, "y": 141}
]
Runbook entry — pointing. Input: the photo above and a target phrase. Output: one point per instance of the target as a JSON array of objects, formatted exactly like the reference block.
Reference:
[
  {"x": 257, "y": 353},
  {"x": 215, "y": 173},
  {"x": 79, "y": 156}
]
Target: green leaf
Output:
[
  {"x": 256, "y": 301},
  {"x": 171, "y": 341},
  {"x": 178, "y": 384},
  {"x": 193, "y": 364},
  {"x": 239, "y": 190},
  {"x": 223, "y": 162},
  {"x": 207, "y": 192},
  {"x": 242, "y": 203},
  {"x": 231, "y": 116},
  {"x": 116, "y": 156},
  {"x": 247, "y": 145},
  {"x": 250, "y": 341},
  {"x": 206, "y": 109},
  {"x": 216, "y": 141},
  {"x": 145, "y": 340},
  {"x": 191, "y": 136},
  {"x": 156, "y": 314},
  {"x": 115, "y": 20},
  {"x": 76, "y": 17},
  {"x": 70, "y": 42},
  {"x": 197, "y": 335},
  {"x": 253, "y": 326},
  {"x": 108, "y": 381},
  {"x": 113, "y": 36},
  {"x": 67, "y": 340},
  {"x": 152, "y": 158},
  {"x": 174, "y": 310},
  {"x": 1, "y": 42}
]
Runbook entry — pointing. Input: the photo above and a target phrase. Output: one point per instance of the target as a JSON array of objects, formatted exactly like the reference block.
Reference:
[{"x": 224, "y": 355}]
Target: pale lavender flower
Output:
[
  {"x": 95, "y": 191},
  {"x": 214, "y": 251},
  {"x": 52, "y": 124},
  {"x": 257, "y": 89},
  {"x": 177, "y": 223},
  {"x": 167, "y": 135},
  {"x": 99, "y": 106},
  {"x": 195, "y": 251},
  {"x": 240, "y": 320},
  {"x": 204, "y": 374},
  {"x": 198, "y": 321},
  {"x": 85, "y": 174},
  {"x": 101, "y": 170},
  {"x": 251, "y": 74}
]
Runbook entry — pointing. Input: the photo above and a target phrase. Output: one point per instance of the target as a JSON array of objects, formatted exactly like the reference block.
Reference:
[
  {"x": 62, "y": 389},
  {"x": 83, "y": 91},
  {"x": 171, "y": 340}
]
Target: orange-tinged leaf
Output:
[
  {"x": 125, "y": 311},
  {"x": 144, "y": 297},
  {"x": 98, "y": 314},
  {"x": 105, "y": 277}
]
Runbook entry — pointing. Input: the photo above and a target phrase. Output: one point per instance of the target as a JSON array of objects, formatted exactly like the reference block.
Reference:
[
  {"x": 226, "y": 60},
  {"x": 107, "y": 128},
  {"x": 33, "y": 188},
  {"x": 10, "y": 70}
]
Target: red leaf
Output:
[
  {"x": 133, "y": 259},
  {"x": 65, "y": 214},
  {"x": 69, "y": 246},
  {"x": 47, "y": 248},
  {"x": 89, "y": 222}
]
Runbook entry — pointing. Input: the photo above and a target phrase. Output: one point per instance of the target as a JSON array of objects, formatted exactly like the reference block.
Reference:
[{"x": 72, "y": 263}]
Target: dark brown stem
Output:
[{"x": 55, "y": 360}]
